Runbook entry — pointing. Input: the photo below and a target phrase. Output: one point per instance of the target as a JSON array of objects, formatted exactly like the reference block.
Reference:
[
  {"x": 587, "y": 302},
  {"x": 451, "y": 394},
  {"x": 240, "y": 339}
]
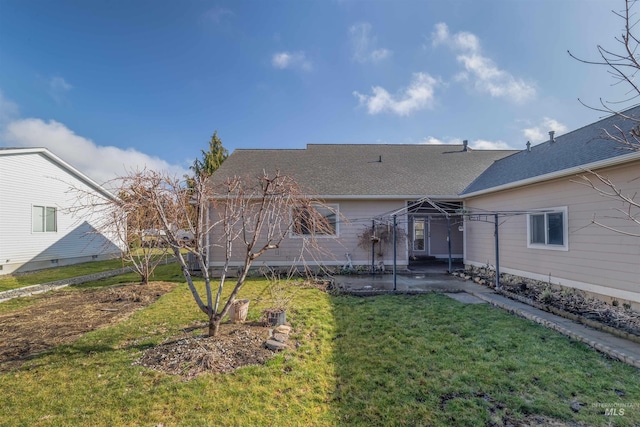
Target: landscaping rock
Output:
[
  {"x": 275, "y": 345},
  {"x": 576, "y": 406},
  {"x": 283, "y": 329},
  {"x": 280, "y": 337}
]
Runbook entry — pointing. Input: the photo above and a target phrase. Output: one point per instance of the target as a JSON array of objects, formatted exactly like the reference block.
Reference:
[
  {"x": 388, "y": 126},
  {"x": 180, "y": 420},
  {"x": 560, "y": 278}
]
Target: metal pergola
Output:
[{"x": 471, "y": 215}]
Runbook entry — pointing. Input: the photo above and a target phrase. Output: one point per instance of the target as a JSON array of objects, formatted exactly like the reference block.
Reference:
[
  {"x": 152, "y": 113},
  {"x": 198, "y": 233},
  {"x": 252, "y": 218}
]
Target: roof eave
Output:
[
  {"x": 403, "y": 197},
  {"x": 385, "y": 196}
]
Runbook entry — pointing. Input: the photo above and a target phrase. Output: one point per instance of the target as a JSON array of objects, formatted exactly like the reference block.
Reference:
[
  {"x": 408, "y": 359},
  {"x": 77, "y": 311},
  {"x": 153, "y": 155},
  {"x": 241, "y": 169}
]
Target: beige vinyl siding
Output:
[
  {"x": 438, "y": 244},
  {"x": 595, "y": 256},
  {"x": 32, "y": 179},
  {"x": 355, "y": 215}
]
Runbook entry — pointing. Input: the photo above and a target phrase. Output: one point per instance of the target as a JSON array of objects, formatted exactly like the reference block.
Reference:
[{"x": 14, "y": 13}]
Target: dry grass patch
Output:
[{"x": 61, "y": 317}]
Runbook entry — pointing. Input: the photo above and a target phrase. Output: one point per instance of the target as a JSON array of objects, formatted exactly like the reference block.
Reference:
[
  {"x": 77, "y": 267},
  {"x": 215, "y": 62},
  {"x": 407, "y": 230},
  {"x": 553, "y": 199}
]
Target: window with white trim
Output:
[
  {"x": 322, "y": 222},
  {"x": 44, "y": 219},
  {"x": 548, "y": 229}
]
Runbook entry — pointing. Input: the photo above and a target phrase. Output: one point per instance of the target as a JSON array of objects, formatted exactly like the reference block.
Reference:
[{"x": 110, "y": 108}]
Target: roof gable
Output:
[{"x": 10, "y": 151}]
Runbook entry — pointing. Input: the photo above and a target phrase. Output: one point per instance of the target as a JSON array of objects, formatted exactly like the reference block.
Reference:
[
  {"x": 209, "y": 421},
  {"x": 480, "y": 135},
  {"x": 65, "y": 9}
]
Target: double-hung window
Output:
[
  {"x": 548, "y": 229},
  {"x": 320, "y": 220},
  {"x": 44, "y": 219}
]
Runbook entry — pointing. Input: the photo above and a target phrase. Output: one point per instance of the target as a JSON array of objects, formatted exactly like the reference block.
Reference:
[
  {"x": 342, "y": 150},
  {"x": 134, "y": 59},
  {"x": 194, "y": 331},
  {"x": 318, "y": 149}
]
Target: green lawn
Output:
[
  {"x": 385, "y": 360},
  {"x": 58, "y": 273},
  {"x": 8, "y": 282}
]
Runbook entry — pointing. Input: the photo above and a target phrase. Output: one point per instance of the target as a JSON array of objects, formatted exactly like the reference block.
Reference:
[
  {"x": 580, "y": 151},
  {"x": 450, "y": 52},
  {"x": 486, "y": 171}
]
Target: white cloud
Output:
[
  {"x": 217, "y": 14},
  {"x": 432, "y": 140},
  {"x": 363, "y": 44},
  {"x": 8, "y": 109},
  {"x": 417, "y": 96},
  {"x": 486, "y": 76},
  {"x": 481, "y": 144},
  {"x": 283, "y": 60},
  {"x": 101, "y": 163},
  {"x": 540, "y": 132},
  {"x": 478, "y": 144},
  {"x": 58, "y": 87}
]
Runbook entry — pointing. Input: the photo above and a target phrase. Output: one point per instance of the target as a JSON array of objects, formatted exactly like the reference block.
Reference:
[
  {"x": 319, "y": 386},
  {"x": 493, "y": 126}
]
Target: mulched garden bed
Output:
[{"x": 237, "y": 344}]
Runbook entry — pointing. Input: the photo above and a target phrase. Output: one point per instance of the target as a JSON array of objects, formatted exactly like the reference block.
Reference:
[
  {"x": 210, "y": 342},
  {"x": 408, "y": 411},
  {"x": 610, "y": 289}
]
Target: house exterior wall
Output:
[
  {"x": 436, "y": 243},
  {"x": 355, "y": 217},
  {"x": 439, "y": 246},
  {"x": 32, "y": 179},
  {"x": 596, "y": 260}
]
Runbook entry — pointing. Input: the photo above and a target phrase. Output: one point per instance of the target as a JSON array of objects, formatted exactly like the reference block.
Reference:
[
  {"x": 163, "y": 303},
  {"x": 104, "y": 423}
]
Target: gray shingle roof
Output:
[
  {"x": 580, "y": 147},
  {"x": 355, "y": 169}
]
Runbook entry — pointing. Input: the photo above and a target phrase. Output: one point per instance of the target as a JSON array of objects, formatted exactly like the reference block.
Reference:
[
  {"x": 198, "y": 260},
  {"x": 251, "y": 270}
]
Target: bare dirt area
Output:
[
  {"x": 61, "y": 317},
  {"x": 236, "y": 345},
  {"x": 536, "y": 421}
]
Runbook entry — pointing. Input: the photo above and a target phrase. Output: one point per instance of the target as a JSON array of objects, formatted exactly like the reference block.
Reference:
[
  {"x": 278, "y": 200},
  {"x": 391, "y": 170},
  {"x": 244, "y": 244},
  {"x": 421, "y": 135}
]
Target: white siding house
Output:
[{"x": 37, "y": 230}]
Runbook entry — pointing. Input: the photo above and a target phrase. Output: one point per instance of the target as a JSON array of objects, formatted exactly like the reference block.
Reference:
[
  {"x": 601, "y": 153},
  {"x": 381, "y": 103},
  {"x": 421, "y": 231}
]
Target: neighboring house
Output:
[
  {"x": 362, "y": 184},
  {"x": 37, "y": 228},
  {"x": 546, "y": 229},
  {"x": 545, "y": 216}
]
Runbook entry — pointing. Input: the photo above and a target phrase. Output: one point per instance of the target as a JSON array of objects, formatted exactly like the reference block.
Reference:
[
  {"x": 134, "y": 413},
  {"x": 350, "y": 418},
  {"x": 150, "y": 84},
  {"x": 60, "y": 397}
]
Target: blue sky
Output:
[{"x": 113, "y": 84}]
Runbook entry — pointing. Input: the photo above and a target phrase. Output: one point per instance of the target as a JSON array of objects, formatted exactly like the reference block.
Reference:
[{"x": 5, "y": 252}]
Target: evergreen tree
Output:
[{"x": 212, "y": 159}]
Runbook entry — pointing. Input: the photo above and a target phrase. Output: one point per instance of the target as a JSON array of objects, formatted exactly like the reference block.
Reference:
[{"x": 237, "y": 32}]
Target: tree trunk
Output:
[
  {"x": 214, "y": 326},
  {"x": 144, "y": 274}
]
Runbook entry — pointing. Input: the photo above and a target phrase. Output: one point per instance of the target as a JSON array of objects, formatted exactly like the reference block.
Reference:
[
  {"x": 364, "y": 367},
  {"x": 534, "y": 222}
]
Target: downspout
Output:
[
  {"x": 449, "y": 240},
  {"x": 395, "y": 224},
  {"x": 373, "y": 247},
  {"x": 495, "y": 218}
]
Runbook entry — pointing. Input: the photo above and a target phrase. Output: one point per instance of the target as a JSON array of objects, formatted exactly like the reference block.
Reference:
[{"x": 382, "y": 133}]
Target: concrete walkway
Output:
[{"x": 616, "y": 347}]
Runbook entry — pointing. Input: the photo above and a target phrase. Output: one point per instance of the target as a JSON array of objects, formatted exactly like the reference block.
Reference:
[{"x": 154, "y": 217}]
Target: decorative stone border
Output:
[
  {"x": 551, "y": 309},
  {"x": 571, "y": 316}
]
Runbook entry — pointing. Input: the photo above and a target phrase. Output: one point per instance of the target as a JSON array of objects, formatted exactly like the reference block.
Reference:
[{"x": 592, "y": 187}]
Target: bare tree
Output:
[
  {"x": 125, "y": 219},
  {"x": 138, "y": 229},
  {"x": 623, "y": 64},
  {"x": 253, "y": 215},
  {"x": 381, "y": 238},
  {"x": 242, "y": 217},
  {"x": 630, "y": 205}
]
